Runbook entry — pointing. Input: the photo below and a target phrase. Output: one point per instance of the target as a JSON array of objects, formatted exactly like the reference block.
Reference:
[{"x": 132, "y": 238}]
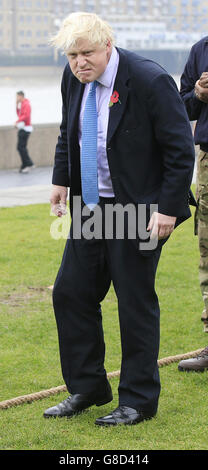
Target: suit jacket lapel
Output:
[
  {"x": 76, "y": 93},
  {"x": 117, "y": 110}
]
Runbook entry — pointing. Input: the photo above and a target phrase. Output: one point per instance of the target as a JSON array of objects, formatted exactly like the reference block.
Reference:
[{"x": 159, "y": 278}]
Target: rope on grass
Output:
[{"x": 62, "y": 388}]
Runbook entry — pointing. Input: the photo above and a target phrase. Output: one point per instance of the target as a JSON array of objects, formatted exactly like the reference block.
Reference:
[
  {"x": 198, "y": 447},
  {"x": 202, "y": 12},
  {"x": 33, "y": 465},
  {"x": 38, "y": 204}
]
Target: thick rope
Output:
[{"x": 62, "y": 388}]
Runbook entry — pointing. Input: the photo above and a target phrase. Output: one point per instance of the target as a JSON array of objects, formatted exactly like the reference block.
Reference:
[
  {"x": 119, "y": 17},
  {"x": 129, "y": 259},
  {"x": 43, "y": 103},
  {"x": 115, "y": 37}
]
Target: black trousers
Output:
[
  {"x": 83, "y": 280},
  {"x": 22, "y": 140}
]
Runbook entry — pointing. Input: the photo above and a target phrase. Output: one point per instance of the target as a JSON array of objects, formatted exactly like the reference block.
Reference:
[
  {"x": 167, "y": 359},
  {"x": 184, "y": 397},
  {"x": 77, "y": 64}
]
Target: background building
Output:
[
  {"x": 161, "y": 29},
  {"x": 25, "y": 26}
]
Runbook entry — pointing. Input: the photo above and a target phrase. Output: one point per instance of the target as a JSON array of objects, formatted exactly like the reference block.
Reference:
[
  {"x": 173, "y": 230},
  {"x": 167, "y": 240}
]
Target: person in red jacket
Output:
[{"x": 24, "y": 127}]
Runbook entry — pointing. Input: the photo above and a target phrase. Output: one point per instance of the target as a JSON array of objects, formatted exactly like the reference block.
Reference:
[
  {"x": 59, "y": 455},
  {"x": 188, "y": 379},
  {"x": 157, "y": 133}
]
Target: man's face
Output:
[
  {"x": 88, "y": 61},
  {"x": 19, "y": 98}
]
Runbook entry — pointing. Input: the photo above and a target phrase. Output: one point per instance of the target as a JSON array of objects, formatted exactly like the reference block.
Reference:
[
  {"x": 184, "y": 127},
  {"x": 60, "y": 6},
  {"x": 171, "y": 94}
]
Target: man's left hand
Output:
[{"x": 160, "y": 225}]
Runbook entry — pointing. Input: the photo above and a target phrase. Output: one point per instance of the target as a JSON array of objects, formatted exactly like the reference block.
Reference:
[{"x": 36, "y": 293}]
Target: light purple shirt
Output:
[{"x": 103, "y": 94}]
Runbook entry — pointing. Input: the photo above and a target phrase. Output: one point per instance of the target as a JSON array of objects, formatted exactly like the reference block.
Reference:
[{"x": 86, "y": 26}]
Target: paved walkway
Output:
[{"x": 19, "y": 189}]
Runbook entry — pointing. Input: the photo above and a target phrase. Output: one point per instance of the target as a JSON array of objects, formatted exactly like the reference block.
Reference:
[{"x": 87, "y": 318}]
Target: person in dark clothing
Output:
[
  {"x": 124, "y": 139},
  {"x": 194, "y": 92}
]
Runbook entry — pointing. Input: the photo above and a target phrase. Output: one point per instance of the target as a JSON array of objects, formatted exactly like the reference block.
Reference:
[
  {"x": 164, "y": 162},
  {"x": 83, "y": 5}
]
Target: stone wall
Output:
[{"x": 41, "y": 145}]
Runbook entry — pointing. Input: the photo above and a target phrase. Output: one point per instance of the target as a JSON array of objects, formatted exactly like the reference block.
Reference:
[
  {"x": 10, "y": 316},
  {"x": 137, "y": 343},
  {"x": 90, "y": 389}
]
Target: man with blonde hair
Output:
[{"x": 125, "y": 139}]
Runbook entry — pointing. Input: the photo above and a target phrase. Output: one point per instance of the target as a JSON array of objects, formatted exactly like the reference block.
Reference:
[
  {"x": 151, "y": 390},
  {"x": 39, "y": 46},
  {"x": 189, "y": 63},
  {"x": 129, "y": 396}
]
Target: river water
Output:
[{"x": 41, "y": 86}]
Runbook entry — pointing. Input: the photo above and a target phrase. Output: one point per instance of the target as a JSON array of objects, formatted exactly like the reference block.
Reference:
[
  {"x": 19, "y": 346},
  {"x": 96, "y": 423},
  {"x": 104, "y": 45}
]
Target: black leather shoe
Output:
[
  {"x": 79, "y": 402},
  {"x": 123, "y": 415}
]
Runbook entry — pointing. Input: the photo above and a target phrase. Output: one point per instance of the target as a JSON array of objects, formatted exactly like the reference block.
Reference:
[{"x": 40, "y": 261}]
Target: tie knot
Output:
[{"x": 93, "y": 85}]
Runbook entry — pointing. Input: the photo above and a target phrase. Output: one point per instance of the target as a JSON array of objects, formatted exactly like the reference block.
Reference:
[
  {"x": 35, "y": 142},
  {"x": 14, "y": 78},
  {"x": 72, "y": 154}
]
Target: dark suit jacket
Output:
[
  {"x": 149, "y": 141},
  {"x": 197, "y": 110}
]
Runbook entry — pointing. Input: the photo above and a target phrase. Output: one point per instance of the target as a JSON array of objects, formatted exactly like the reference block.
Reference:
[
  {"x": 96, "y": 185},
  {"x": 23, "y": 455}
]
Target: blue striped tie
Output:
[{"x": 90, "y": 194}]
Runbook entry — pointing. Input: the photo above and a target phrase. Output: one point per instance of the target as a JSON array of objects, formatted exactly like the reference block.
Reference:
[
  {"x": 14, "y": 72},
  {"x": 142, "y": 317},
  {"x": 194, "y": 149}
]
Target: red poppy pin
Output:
[{"x": 114, "y": 98}]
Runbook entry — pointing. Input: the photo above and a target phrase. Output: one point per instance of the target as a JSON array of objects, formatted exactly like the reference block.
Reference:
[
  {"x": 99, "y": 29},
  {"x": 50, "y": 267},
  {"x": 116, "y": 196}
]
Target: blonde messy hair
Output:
[{"x": 82, "y": 25}]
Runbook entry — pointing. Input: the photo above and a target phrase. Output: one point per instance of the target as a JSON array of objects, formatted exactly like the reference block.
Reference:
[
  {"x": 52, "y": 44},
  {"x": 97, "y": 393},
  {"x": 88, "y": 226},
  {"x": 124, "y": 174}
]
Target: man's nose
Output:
[{"x": 81, "y": 61}]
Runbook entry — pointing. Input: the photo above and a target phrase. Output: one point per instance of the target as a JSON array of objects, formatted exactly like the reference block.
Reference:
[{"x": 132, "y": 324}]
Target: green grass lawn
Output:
[{"x": 29, "y": 356}]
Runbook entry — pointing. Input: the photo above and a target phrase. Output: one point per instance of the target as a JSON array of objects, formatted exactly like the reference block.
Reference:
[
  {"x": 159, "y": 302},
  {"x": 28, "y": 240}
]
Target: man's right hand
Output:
[
  {"x": 58, "y": 200},
  {"x": 203, "y": 81},
  {"x": 201, "y": 88}
]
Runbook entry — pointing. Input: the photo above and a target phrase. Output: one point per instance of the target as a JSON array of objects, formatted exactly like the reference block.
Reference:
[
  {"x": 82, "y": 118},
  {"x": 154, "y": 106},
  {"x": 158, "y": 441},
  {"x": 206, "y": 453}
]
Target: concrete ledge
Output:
[
  {"x": 25, "y": 195},
  {"x": 41, "y": 145}
]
